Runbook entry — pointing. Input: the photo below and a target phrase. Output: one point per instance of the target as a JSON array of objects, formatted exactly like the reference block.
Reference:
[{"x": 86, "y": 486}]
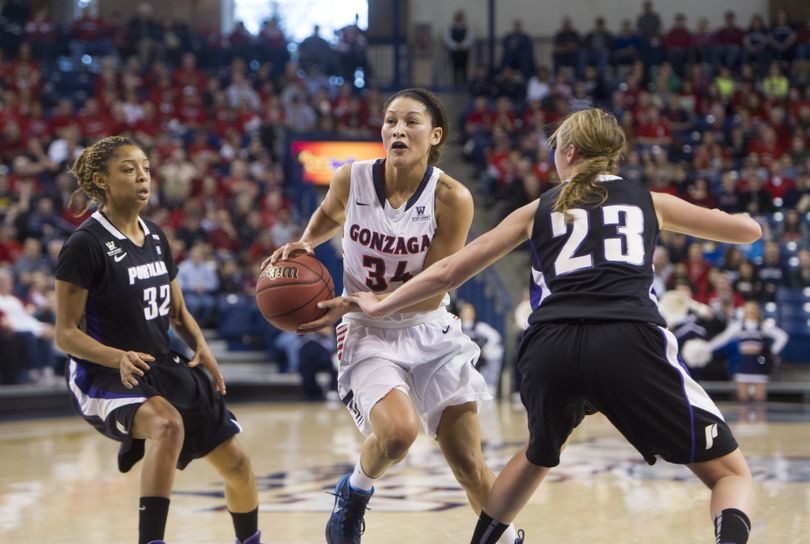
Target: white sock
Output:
[
  {"x": 509, "y": 536},
  {"x": 361, "y": 480}
]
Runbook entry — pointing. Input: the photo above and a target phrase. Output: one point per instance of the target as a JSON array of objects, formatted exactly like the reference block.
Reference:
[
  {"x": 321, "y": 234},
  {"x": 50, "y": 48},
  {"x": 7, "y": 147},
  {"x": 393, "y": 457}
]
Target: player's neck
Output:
[
  {"x": 126, "y": 221},
  {"x": 405, "y": 179}
]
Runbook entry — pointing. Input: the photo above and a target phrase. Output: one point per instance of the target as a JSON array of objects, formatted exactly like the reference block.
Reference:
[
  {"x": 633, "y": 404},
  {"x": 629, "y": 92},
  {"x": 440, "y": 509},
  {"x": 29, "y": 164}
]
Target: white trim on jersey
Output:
[
  {"x": 540, "y": 281},
  {"x": 695, "y": 394},
  {"x": 104, "y": 222},
  {"x": 96, "y": 407}
]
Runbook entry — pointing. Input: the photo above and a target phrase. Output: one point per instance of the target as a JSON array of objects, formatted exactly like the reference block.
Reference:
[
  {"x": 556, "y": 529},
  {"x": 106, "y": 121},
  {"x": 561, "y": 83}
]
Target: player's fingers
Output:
[
  {"x": 194, "y": 361},
  {"x": 219, "y": 381},
  {"x": 145, "y": 356},
  {"x": 312, "y": 326}
]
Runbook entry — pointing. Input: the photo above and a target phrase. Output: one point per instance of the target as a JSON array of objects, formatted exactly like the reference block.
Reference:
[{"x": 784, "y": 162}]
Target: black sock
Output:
[
  {"x": 732, "y": 526},
  {"x": 152, "y": 518},
  {"x": 487, "y": 530},
  {"x": 245, "y": 524}
]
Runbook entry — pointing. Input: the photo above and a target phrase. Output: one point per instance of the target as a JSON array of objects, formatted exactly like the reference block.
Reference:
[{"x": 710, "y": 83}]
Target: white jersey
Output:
[{"x": 383, "y": 246}]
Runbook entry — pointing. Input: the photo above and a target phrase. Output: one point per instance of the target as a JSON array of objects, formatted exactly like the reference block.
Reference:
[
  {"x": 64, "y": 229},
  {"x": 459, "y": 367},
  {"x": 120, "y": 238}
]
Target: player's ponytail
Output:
[
  {"x": 94, "y": 159},
  {"x": 599, "y": 141}
]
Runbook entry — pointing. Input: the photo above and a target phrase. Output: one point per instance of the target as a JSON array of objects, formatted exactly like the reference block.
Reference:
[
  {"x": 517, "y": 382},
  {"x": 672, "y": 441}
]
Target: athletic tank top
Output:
[
  {"x": 384, "y": 247},
  {"x": 598, "y": 265}
]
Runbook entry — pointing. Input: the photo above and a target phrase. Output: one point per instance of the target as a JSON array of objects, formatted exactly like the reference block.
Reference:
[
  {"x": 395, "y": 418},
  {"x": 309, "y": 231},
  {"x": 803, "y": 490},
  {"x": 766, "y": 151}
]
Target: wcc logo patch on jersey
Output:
[
  {"x": 115, "y": 251},
  {"x": 420, "y": 215}
]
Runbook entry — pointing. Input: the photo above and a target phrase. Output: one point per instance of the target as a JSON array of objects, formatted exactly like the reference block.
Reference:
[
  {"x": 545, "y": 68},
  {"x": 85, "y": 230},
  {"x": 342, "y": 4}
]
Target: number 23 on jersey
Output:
[{"x": 627, "y": 247}]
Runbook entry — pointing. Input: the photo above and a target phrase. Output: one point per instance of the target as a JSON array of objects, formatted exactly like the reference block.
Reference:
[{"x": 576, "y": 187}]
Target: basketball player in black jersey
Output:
[
  {"x": 596, "y": 334},
  {"x": 116, "y": 297}
]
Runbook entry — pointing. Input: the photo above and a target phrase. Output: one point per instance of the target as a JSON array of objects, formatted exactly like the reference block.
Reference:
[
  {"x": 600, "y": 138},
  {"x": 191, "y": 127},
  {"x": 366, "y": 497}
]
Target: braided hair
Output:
[{"x": 94, "y": 159}]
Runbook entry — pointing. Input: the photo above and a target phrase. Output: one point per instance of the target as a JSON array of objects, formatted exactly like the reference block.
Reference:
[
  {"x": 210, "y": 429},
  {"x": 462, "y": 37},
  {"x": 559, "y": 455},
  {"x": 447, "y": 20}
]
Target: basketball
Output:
[{"x": 288, "y": 292}]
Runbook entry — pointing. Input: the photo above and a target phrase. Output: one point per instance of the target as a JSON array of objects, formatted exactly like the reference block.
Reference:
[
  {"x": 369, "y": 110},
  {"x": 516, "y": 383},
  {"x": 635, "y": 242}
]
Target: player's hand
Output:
[
  {"x": 132, "y": 365},
  {"x": 369, "y": 304},
  {"x": 205, "y": 358},
  {"x": 335, "y": 308},
  {"x": 288, "y": 250}
]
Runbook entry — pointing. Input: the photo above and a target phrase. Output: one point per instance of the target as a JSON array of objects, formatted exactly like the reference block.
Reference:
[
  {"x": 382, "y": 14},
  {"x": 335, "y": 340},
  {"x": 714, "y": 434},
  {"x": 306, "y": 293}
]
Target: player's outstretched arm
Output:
[
  {"x": 187, "y": 328},
  {"x": 677, "y": 215},
  {"x": 454, "y": 270},
  {"x": 70, "y": 304},
  {"x": 325, "y": 222}
]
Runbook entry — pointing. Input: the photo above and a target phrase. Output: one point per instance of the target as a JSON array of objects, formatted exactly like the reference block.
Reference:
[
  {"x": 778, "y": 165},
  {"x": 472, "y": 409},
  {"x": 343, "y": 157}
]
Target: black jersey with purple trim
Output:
[
  {"x": 595, "y": 262},
  {"x": 129, "y": 293}
]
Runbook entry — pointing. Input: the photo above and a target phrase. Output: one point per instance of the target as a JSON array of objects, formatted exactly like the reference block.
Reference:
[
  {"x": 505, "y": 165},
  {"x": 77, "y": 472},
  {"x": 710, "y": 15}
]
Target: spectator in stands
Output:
[
  {"x": 518, "y": 51},
  {"x": 314, "y": 50},
  {"x": 352, "y": 55},
  {"x": 782, "y": 38},
  {"x": 200, "y": 282},
  {"x": 144, "y": 34},
  {"x": 316, "y": 353},
  {"x": 596, "y": 47},
  {"x": 34, "y": 335},
  {"x": 728, "y": 43},
  {"x": 458, "y": 39},
  {"x": 800, "y": 276},
  {"x": 756, "y": 49},
  {"x": 803, "y": 41},
  {"x": 748, "y": 283},
  {"x": 626, "y": 46},
  {"x": 13, "y": 360},
  {"x": 772, "y": 272},
  {"x": 273, "y": 46},
  {"x": 677, "y": 45},
  {"x": 759, "y": 344},
  {"x": 566, "y": 49},
  {"x": 32, "y": 260},
  {"x": 649, "y": 29},
  {"x": 489, "y": 340}
]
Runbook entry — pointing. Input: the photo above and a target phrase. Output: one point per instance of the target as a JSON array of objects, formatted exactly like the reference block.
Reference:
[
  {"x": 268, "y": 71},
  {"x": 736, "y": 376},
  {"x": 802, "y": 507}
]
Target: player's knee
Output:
[
  {"x": 468, "y": 468},
  {"x": 397, "y": 442},
  {"x": 168, "y": 429},
  {"x": 238, "y": 468}
]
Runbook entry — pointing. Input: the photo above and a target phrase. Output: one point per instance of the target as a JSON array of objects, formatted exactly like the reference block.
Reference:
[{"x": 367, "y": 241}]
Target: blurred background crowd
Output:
[{"x": 718, "y": 116}]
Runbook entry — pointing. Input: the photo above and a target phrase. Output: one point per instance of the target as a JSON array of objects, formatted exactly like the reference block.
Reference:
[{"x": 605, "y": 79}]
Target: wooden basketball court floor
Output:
[{"x": 59, "y": 483}]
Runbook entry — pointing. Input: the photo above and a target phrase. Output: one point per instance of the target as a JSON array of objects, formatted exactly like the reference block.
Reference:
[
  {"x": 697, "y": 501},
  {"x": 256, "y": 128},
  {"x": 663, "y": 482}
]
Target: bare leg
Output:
[
  {"x": 760, "y": 392},
  {"x": 729, "y": 479},
  {"x": 160, "y": 424},
  {"x": 233, "y": 464},
  {"x": 513, "y": 488},
  {"x": 742, "y": 392},
  {"x": 395, "y": 426},
  {"x": 459, "y": 436}
]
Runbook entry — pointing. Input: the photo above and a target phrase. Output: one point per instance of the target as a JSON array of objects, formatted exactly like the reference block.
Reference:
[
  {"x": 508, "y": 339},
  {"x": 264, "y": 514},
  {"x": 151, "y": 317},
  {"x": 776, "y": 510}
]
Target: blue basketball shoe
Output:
[
  {"x": 255, "y": 539},
  {"x": 346, "y": 523}
]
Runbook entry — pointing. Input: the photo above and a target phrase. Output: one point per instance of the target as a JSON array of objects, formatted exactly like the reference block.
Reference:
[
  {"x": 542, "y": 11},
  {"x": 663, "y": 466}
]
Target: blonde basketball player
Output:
[{"x": 399, "y": 215}]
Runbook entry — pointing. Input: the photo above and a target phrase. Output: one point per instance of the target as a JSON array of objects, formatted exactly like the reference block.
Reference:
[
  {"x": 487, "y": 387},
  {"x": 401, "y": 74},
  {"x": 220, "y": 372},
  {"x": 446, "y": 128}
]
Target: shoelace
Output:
[
  {"x": 521, "y": 535},
  {"x": 349, "y": 510}
]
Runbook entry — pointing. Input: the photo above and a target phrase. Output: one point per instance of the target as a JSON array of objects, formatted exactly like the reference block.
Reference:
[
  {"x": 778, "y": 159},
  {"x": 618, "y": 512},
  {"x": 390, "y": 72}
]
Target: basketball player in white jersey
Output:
[{"x": 400, "y": 214}]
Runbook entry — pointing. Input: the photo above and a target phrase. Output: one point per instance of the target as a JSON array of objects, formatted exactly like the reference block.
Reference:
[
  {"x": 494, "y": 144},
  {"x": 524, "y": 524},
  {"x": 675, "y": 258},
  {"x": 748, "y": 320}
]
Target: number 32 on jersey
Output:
[{"x": 627, "y": 247}]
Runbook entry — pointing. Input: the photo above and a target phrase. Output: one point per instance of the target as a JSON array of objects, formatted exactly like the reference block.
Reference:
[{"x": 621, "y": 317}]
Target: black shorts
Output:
[
  {"x": 629, "y": 371},
  {"x": 103, "y": 401}
]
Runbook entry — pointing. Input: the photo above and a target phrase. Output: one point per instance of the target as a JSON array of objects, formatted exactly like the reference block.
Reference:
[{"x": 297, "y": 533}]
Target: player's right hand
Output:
[
  {"x": 131, "y": 365},
  {"x": 288, "y": 250}
]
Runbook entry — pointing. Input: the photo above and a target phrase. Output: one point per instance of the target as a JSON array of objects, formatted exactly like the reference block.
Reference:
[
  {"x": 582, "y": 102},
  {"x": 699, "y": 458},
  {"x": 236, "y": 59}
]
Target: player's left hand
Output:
[
  {"x": 204, "y": 357},
  {"x": 335, "y": 308},
  {"x": 369, "y": 304}
]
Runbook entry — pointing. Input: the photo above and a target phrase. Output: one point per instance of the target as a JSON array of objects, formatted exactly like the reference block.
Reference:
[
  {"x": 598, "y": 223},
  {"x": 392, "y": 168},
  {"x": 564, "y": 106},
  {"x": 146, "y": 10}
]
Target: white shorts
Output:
[
  {"x": 425, "y": 355},
  {"x": 751, "y": 378}
]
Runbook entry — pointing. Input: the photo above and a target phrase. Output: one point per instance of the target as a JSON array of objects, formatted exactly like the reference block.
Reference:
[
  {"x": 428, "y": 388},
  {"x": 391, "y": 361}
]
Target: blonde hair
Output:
[
  {"x": 599, "y": 141},
  {"x": 94, "y": 159}
]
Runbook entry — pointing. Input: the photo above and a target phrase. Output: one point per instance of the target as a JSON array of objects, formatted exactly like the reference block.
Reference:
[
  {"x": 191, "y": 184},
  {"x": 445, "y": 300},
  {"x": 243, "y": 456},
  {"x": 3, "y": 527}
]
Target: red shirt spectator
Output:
[
  {"x": 697, "y": 269},
  {"x": 88, "y": 28}
]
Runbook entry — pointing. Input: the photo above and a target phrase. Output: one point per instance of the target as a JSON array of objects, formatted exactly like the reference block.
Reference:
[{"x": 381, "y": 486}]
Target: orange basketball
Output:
[{"x": 287, "y": 292}]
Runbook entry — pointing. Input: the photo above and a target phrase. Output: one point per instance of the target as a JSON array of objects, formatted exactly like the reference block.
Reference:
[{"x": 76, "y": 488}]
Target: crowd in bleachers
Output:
[
  {"x": 214, "y": 114},
  {"x": 719, "y": 117}
]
